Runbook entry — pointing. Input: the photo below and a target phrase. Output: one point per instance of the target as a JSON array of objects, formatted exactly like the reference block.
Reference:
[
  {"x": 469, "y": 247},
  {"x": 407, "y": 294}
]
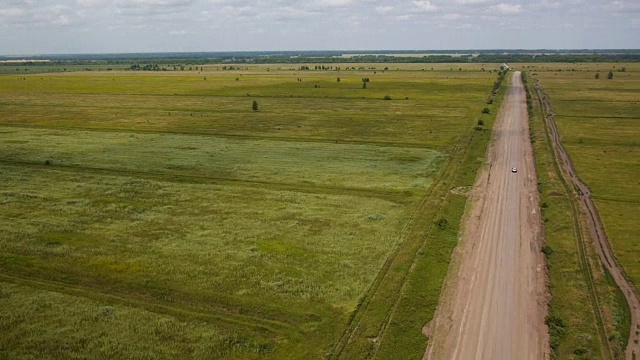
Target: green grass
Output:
[
  {"x": 597, "y": 120},
  {"x": 435, "y": 114},
  {"x": 250, "y": 234},
  {"x": 293, "y": 162},
  {"x": 41, "y": 324},
  {"x": 570, "y": 301}
]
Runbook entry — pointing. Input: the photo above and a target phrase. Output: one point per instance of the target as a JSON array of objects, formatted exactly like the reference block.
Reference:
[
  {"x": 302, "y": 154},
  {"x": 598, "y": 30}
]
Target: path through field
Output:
[{"x": 493, "y": 305}]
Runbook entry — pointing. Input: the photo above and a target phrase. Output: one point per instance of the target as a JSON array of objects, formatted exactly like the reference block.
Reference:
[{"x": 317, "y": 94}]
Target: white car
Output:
[{"x": 514, "y": 170}]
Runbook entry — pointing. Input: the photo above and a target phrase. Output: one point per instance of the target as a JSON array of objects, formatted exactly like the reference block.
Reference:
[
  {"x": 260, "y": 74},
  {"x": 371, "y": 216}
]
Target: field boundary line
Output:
[
  {"x": 213, "y": 180},
  {"x": 177, "y": 311},
  {"x": 311, "y": 140}
]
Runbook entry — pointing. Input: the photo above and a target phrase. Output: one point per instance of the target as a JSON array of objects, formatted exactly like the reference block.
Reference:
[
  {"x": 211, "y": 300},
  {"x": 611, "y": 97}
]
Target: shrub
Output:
[
  {"x": 387, "y": 97},
  {"x": 442, "y": 223},
  {"x": 480, "y": 122},
  {"x": 486, "y": 110}
]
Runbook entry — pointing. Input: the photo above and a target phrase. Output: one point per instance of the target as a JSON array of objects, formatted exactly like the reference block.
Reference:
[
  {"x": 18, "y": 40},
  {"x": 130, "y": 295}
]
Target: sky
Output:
[{"x": 30, "y": 27}]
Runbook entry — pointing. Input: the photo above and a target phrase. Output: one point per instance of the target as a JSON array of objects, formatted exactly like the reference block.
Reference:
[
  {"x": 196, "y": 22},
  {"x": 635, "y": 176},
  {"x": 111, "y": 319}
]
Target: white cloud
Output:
[
  {"x": 384, "y": 9},
  {"x": 238, "y": 11},
  {"x": 507, "y": 9},
  {"x": 91, "y": 3},
  {"x": 404, "y": 17},
  {"x": 473, "y": 2},
  {"x": 425, "y": 6},
  {"x": 337, "y": 2},
  {"x": 180, "y": 32},
  {"x": 12, "y": 11},
  {"x": 454, "y": 16}
]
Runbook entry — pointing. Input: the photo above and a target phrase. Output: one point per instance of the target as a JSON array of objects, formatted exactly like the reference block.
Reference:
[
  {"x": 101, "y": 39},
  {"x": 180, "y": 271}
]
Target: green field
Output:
[
  {"x": 596, "y": 121},
  {"x": 155, "y": 215}
]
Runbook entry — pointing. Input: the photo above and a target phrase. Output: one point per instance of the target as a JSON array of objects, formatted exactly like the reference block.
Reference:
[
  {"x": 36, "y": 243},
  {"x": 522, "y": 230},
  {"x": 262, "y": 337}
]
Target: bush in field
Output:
[
  {"x": 442, "y": 223},
  {"x": 486, "y": 110},
  {"x": 610, "y": 75},
  {"x": 255, "y": 106}
]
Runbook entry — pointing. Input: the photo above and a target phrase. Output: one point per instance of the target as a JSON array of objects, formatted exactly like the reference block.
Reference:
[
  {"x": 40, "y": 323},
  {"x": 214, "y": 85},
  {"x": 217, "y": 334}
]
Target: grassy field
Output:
[
  {"x": 158, "y": 208},
  {"x": 595, "y": 120}
]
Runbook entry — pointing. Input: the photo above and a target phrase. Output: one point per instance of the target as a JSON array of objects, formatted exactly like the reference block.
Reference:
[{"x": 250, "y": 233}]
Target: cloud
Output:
[
  {"x": 26, "y": 14},
  {"x": 238, "y": 11},
  {"x": 12, "y": 11},
  {"x": 384, "y": 9},
  {"x": 425, "y": 6},
  {"x": 337, "y": 2},
  {"x": 91, "y": 3},
  {"x": 180, "y": 32},
  {"x": 506, "y": 9},
  {"x": 404, "y": 17},
  {"x": 473, "y": 2},
  {"x": 454, "y": 16}
]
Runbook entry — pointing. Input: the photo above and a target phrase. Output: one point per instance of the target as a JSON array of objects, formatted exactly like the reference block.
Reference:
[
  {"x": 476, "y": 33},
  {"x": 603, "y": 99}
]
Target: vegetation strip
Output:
[
  {"x": 378, "y": 314},
  {"x": 584, "y": 262},
  {"x": 194, "y": 179},
  {"x": 595, "y": 229},
  {"x": 181, "y": 312},
  {"x": 228, "y": 136}
]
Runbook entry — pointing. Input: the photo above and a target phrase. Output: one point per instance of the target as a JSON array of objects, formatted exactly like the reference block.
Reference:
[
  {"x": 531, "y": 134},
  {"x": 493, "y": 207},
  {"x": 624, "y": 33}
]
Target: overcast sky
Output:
[{"x": 107, "y": 26}]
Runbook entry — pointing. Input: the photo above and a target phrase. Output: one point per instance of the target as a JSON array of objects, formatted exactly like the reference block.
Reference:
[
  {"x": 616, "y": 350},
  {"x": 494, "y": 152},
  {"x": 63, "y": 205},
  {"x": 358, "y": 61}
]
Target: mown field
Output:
[
  {"x": 597, "y": 120},
  {"x": 155, "y": 214}
]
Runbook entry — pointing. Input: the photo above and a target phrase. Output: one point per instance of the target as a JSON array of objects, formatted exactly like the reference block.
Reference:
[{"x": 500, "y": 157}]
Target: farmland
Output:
[
  {"x": 156, "y": 214},
  {"x": 596, "y": 119}
]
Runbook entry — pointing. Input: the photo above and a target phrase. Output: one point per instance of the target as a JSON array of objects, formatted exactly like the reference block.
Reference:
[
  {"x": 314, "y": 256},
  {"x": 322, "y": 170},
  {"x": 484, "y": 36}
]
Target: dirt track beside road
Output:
[{"x": 494, "y": 301}]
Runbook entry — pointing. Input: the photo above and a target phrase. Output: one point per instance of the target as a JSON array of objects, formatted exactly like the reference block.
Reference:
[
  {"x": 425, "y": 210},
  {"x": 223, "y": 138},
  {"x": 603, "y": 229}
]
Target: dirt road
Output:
[{"x": 493, "y": 305}]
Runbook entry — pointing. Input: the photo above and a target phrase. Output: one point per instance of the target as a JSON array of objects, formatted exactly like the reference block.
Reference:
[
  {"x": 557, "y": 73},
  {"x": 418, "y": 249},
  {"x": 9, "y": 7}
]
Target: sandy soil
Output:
[
  {"x": 596, "y": 231},
  {"x": 494, "y": 302}
]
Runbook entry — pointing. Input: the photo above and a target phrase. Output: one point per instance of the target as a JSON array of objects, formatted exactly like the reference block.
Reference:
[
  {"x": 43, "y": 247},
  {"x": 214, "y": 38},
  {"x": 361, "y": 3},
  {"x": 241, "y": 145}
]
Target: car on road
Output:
[{"x": 514, "y": 170}]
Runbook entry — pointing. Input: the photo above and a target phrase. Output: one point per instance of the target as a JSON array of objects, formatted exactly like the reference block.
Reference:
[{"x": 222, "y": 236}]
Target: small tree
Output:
[
  {"x": 610, "y": 75},
  {"x": 255, "y": 106},
  {"x": 597, "y": 76},
  {"x": 486, "y": 110},
  {"x": 338, "y": 79}
]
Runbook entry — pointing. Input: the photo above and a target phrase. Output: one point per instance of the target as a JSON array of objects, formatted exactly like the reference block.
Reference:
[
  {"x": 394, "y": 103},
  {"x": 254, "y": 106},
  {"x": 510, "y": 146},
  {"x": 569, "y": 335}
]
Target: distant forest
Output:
[{"x": 372, "y": 56}]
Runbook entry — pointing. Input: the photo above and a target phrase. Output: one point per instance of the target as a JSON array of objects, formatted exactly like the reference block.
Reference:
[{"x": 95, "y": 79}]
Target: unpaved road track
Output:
[
  {"x": 595, "y": 229},
  {"x": 493, "y": 305}
]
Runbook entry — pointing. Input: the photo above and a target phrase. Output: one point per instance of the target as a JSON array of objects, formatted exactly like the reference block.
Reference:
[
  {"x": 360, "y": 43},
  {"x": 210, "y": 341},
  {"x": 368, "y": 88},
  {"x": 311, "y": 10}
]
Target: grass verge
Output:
[{"x": 582, "y": 300}]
